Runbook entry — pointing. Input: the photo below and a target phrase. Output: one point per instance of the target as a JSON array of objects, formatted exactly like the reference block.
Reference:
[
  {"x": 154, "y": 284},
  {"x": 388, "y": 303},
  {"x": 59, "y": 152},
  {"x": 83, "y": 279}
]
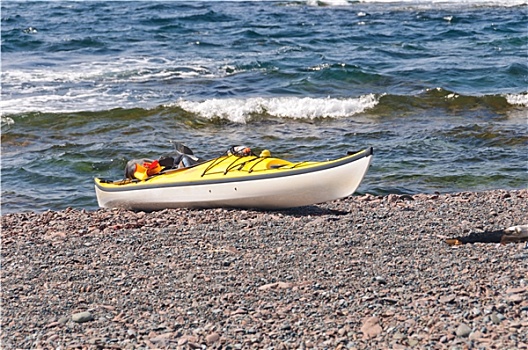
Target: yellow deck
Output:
[{"x": 222, "y": 168}]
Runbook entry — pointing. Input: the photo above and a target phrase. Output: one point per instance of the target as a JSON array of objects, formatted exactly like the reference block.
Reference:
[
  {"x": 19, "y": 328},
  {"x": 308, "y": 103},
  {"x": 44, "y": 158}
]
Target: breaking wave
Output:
[{"x": 242, "y": 110}]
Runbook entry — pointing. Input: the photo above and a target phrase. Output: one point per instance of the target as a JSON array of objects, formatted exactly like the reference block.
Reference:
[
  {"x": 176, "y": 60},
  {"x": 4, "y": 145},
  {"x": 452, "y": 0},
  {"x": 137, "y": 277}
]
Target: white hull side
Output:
[{"x": 273, "y": 193}]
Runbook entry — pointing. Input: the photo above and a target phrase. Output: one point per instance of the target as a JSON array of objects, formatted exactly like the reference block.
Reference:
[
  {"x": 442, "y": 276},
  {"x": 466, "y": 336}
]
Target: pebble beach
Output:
[{"x": 365, "y": 272}]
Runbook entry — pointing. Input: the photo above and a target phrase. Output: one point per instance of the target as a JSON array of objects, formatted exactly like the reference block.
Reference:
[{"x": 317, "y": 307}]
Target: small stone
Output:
[
  {"x": 52, "y": 324},
  {"x": 212, "y": 338},
  {"x": 412, "y": 342},
  {"x": 463, "y": 330},
  {"x": 516, "y": 290},
  {"x": 267, "y": 286},
  {"x": 284, "y": 285},
  {"x": 380, "y": 280},
  {"x": 93, "y": 341},
  {"x": 286, "y": 326},
  {"x": 494, "y": 318},
  {"x": 371, "y": 328},
  {"x": 475, "y": 335},
  {"x": 446, "y": 299},
  {"x": 190, "y": 277},
  {"x": 52, "y": 338},
  {"x": 398, "y": 336},
  {"x": 516, "y": 298},
  {"x": 239, "y": 311},
  {"x": 82, "y": 317},
  {"x": 162, "y": 337}
]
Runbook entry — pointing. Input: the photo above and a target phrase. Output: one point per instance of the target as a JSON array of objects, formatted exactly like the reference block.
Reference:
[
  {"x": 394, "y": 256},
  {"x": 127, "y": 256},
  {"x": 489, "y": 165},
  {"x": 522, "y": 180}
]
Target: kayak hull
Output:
[{"x": 291, "y": 186}]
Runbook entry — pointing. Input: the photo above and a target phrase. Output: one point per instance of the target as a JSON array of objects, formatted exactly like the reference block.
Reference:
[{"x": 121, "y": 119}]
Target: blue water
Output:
[{"x": 439, "y": 89}]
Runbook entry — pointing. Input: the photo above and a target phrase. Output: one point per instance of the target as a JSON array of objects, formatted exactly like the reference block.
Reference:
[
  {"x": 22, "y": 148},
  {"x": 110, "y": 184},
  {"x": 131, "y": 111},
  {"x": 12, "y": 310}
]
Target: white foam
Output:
[
  {"x": 6, "y": 121},
  {"x": 240, "y": 110},
  {"x": 327, "y": 3},
  {"x": 436, "y": 3},
  {"x": 90, "y": 85},
  {"x": 121, "y": 70},
  {"x": 517, "y": 99},
  {"x": 73, "y": 101}
]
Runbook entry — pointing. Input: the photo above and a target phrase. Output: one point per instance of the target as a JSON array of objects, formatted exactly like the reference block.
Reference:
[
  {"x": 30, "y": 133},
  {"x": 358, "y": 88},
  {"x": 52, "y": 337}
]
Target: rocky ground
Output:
[{"x": 361, "y": 273}]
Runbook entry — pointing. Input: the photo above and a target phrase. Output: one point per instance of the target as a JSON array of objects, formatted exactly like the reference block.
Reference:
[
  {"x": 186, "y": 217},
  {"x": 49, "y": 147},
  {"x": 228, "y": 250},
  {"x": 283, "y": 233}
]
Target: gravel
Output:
[{"x": 365, "y": 272}]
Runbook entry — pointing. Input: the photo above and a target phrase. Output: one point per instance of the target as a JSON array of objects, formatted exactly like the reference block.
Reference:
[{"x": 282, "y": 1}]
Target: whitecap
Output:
[
  {"x": 240, "y": 110},
  {"x": 6, "y": 121},
  {"x": 450, "y": 3},
  {"x": 327, "y": 3},
  {"x": 517, "y": 99}
]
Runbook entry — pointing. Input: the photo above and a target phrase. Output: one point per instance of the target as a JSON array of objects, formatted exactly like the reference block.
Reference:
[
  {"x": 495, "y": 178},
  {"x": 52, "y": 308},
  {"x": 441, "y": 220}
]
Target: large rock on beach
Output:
[
  {"x": 81, "y": 317},
  {"x": 365, "y": 272}
]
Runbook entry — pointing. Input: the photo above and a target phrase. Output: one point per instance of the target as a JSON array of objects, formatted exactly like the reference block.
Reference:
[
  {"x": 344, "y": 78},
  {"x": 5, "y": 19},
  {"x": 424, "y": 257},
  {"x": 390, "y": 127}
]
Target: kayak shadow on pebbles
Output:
[
  {"x": 314, "y": 211},
  {"x": 309, "y": 210}
]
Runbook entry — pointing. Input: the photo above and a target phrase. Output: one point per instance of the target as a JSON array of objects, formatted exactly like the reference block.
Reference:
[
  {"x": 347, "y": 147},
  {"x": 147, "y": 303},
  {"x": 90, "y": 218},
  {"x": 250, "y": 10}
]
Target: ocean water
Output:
[{"x": 438, "y": 88}]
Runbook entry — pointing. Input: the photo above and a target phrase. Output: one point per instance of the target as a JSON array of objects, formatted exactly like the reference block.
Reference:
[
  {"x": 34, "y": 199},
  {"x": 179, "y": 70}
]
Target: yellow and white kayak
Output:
[{"x": 239, "y": 182}]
